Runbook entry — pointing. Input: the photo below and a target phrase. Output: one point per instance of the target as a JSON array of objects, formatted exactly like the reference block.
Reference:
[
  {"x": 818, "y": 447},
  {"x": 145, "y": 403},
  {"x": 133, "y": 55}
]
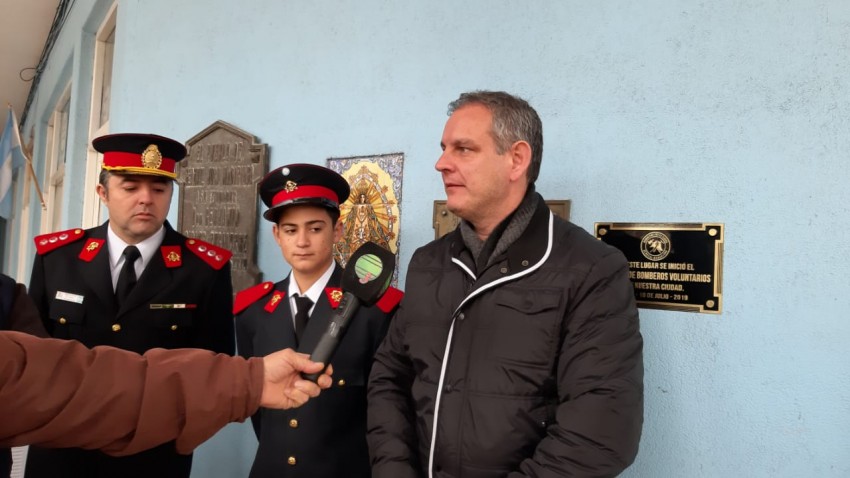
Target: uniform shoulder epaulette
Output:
[
  {"x": 250, "y": 295},
  {"x": 390, "y": 300},
  {"x": 48, "y": 242},
  {"x": 213, "y": 255}
]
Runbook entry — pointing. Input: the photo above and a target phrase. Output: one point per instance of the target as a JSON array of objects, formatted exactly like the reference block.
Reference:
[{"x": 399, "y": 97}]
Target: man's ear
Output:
[
  {"x": 520, "y": 160},
  {"x": 102, "y": 192},
  {"x": 338, "y": 230}
]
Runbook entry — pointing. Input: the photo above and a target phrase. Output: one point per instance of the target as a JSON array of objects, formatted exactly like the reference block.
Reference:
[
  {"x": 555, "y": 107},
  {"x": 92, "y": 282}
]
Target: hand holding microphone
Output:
[{"x": 364, "y": 280}]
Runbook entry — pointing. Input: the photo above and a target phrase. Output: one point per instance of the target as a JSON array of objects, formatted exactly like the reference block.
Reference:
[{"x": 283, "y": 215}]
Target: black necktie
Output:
[
  {"x": 127, "y": 277},
  {"x": 303, "y": 303}
]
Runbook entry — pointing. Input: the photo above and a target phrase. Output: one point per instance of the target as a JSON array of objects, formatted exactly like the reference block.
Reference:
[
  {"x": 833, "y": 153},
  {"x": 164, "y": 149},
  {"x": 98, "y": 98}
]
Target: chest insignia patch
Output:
[
  {"x": 172, "y": 256},
  {"x": 91, "y": 248},
  {"x": 275, "y": 301}
]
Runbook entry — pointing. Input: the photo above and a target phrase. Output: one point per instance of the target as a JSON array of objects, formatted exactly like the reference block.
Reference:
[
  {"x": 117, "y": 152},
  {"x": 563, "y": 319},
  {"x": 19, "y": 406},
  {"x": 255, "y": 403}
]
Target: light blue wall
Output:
[{"x": 655, "y": 111}]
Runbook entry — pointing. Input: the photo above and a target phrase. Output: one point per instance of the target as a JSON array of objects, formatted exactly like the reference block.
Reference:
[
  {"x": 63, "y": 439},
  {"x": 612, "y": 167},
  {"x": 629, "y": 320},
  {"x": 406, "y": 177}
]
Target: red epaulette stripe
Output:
[
  {"x": 390, "y": 300},
  {"x": 213, "y": 255},
  {"x": 250, "y": 295},
  {"x": 48, "y": 242}
]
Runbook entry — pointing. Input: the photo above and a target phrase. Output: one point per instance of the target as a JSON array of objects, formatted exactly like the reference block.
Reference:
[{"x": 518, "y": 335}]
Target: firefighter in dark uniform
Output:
[
  {"x": 133, "y": 283},
  {"x": 326, "y": 438}
]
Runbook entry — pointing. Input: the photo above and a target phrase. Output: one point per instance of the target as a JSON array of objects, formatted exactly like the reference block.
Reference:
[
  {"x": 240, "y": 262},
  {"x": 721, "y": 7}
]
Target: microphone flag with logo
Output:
[{"x": 365, "y": 279}]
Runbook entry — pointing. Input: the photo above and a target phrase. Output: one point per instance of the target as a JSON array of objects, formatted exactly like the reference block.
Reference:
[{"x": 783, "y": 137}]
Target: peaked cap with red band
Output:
[
  {"x": 302, "y": 184},
  {"x": 147, "y": 154}
]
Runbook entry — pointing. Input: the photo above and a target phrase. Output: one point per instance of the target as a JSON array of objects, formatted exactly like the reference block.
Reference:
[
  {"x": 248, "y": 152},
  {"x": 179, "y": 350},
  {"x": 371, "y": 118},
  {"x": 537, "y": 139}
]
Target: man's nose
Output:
[
  {"x": 301, "y": 238},
  {"x": 443, "y": 162},
  {"x": 145, "y": 194}
]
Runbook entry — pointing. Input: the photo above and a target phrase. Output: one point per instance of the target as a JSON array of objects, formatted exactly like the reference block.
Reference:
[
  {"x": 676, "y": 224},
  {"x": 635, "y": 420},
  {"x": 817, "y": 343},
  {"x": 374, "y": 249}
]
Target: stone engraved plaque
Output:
[
  {"x": 673, "y": 266},
  {"x": 445, "y": 221},
  {"x": 218, "y": 195}
]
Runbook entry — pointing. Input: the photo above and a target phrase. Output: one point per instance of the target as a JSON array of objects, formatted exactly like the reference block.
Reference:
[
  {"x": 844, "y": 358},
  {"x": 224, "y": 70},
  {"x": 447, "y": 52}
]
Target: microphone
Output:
[{"x": 364, "y": 280}]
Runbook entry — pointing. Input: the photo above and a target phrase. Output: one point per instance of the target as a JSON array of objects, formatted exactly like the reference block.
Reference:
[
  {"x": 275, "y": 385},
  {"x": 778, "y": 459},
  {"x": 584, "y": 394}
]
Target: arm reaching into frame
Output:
[{"x": 58, "y": 393}]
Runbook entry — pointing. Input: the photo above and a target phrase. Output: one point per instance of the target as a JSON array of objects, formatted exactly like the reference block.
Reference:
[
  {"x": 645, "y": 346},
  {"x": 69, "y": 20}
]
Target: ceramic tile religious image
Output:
[{"x": 372, "y": 211}]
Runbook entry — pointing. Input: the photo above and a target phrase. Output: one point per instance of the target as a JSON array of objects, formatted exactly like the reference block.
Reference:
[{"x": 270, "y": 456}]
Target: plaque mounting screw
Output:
[
  {"x": 709, "y": 304},
  {"x": 712, "y": 232},
  {"x": 603, "y": 231}
]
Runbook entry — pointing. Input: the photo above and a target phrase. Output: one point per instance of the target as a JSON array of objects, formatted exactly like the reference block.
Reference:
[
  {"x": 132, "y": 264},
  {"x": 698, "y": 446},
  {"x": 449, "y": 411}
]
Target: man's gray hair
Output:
[{"x": 513, "y": 120}]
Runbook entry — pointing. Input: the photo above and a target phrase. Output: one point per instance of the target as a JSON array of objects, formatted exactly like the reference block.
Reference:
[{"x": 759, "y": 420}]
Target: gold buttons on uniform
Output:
[
  {"x": 291, "y": 460},
  {"x": 293, "y": 423},
  {"x": 341, "y": 382},
  {"x": 173, "y": 327},
  {"x": 116, "y": 327},
  {"x": 62, "y": 320}
]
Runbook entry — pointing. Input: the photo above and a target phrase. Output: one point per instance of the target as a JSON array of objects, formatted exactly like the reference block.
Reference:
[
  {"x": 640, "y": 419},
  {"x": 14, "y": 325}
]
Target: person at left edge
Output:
[
  {"x": 18, "y": 313},
  {"x": 326, "y": 438},
  {"x": 177, "y": 293}
]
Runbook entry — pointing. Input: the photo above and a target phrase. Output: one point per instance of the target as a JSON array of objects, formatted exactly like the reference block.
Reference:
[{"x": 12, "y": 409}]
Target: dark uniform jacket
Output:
[
  {"x": 182, "y": 299},
  {"x": 325, "y": 438},
  {"x": 543, "y": 361}
]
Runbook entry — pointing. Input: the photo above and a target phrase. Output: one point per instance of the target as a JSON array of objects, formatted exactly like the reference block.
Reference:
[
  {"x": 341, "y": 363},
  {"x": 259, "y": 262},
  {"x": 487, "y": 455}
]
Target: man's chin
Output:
[
  {"x": 454, "y": 207},
  {"x": 145, "y": 232}
]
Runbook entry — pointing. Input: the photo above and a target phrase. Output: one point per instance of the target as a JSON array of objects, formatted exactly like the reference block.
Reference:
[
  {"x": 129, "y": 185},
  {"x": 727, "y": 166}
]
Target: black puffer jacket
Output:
[{"x": 543, "y": 375}]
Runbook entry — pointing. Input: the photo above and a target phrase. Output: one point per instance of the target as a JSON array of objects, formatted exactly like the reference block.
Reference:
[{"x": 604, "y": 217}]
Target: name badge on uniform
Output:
[
  {"x": 69, "y": 297},
  {"x": 174, "y": 306}
]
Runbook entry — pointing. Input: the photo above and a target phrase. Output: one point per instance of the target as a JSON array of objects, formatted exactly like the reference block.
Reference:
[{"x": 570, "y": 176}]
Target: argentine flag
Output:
[{"x": 11, "y": 157}]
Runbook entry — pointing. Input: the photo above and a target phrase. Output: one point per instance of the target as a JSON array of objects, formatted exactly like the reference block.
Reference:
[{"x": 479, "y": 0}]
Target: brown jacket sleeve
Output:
[{"x": 58, "y": 393}]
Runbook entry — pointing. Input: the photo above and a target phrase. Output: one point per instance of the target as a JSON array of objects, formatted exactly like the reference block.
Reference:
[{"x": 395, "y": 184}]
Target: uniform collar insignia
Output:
[
  {"x": 91, "y": 248},
  {"x": 334, "y": 296},
  {"x": 275, "y": 301},
  {"x": 172, "y": 256}
]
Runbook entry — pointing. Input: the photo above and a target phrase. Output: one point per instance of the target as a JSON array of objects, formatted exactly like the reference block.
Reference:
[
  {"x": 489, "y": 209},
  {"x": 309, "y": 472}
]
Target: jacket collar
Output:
[
  {"x": 525, "y": 255},
  {"x": 526, "y": 251}
]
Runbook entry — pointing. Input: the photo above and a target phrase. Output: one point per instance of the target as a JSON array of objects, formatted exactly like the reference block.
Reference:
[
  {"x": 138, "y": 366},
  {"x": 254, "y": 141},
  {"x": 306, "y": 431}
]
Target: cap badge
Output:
[
  {"x": 290, "y": 186},
  {"x": 151, "y": 157}
]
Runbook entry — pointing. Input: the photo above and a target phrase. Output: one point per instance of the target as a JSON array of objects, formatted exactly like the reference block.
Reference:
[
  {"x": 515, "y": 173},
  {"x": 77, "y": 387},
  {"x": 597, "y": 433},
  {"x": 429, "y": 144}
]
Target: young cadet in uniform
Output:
[
  {"x": 132, "y": 283},
  {"x": 326, "y": 438}
]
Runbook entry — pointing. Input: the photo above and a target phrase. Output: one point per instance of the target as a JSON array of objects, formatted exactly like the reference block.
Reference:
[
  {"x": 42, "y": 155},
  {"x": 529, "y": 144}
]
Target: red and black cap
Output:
[
  {"x": 140, "y": 153},
  {"x": 302, "y": 184}
]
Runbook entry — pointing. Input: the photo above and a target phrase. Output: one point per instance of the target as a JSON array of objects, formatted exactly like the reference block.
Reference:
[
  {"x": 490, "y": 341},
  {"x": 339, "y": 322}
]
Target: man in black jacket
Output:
[
  {"x": 132, "y": 283},
  {"x": 516, "y": 350}
]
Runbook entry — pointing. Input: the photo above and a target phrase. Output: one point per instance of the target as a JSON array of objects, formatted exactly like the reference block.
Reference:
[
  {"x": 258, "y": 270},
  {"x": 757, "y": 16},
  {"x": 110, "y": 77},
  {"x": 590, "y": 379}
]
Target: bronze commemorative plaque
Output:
[{"x": 673, "y": 266}]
